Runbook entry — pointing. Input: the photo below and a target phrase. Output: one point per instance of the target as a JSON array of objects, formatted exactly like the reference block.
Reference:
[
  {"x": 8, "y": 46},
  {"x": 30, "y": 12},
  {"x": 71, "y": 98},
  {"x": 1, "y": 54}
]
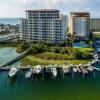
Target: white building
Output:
[
  {"x": 8, "y": 38},
  {"x": 44, "y": 25},
  {"x": 23, "y": 29},
  {"x": 80, "y": 24}
]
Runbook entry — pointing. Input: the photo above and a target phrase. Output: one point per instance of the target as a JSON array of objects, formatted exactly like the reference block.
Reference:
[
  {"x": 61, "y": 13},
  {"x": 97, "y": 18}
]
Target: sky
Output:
[{"x": 16, "y": 8}]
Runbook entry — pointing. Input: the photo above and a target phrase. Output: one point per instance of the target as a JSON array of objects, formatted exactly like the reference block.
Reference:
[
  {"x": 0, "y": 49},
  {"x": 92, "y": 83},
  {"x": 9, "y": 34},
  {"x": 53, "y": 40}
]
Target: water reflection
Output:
[{"x": 47, "y": 88}]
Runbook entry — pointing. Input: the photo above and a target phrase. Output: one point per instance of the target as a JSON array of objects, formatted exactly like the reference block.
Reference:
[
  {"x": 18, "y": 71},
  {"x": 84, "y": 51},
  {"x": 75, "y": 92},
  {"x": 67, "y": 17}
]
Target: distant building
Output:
[
  {"x": 44, "y": 25},
  {"x": 8, "y": 38},
  {"x": 79, "y": 24},
  {"x": 95, "y": 24},
  {"x": 23, "y": 29}
]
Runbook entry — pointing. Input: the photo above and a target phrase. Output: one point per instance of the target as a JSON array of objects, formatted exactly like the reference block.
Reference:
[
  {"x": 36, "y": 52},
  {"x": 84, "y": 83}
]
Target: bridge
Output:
[{"x": 13, "y": 60}]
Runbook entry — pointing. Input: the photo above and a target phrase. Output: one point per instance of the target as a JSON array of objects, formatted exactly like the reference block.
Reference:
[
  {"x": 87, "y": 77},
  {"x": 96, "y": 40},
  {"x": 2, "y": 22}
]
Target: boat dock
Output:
[
  {"x": 79, "y": 68},
  {"x": 95, "y": 68},
  {"x": 55, "y": 69}
]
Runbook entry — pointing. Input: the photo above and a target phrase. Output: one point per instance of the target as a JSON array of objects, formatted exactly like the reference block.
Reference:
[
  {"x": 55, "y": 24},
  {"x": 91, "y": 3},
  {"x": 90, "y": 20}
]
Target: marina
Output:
[
  {"x": 36, "y": 70},
  {"x": 36, "y": 88},
  {"x": 70, "y": 81},
  {"x": 48, "y": 55},
  {"x": 55, "y": 69}
]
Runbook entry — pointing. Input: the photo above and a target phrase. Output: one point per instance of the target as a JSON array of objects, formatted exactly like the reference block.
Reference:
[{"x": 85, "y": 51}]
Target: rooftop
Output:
[
  {"x": 37, "y": 10},
  {"x": 79, "y": 12},
  {"x": 95, "y": 18}
]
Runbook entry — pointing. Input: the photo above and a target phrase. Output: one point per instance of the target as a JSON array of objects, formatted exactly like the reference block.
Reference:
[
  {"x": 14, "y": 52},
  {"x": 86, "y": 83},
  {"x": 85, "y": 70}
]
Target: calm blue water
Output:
[{"x": 12, "y": 21}]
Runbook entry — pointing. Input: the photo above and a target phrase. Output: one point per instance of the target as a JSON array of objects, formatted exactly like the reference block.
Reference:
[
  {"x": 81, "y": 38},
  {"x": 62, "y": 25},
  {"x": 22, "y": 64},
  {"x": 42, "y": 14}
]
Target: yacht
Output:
[
  {"x": 85, "y": 71},
  {"x": 12, "y": 72},
  {"x": 48, "y": 69},
  {"x": 75, "y": 70},
  {"x": 29, "y": 74},
  {"x": 78, "y": 69},
  {"x": 90, "y": 69},
  {"x": 66, "y": 70},
  {"x": 37, "y": 69},
  {"x": 54, "y": 71}
]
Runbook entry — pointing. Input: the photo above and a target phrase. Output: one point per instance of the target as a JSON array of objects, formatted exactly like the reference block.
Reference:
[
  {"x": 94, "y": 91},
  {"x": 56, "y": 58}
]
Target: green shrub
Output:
[{"x": 55, "y": 56}]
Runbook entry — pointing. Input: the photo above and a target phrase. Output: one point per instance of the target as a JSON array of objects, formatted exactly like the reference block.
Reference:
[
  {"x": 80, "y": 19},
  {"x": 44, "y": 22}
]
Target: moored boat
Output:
[
  {"x": 66, "y": 70},
  {"x": 74, "y": 69},
  {"x": 78, "y": 69},
  {"x": 12, "y": 72},
  {"x": 54, "y": 72},
  {"x": 29, "y": 74},
  {"x": 90, "y": 69},
  {"x": 84, "y": 71},
  {"x": 49, "y": 69},
  {"x": 37, "y": 69}
]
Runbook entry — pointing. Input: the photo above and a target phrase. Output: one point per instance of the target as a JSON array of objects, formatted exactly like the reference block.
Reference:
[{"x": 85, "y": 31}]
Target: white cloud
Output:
[
  {"x": 16, "y": 8},
  {"x": 11, "y": 11},
  {"x": 49, "y": 3},
  {"x": 53, "y": 1}
]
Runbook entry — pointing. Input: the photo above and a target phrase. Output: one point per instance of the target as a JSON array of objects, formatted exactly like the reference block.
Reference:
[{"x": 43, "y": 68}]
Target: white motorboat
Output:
[
  {"x": 54, "y": 72},
  {"x": 90, "y": 69},
  {"x": 29, "y": 73},
  {"x": 78, "y": 69},
  {"x": 66, "y": 70},
  {"x": 75, "y": 70},
  {"x": 12, "y": 72},
  {"x": 84, "y": 70},
  {"x": 37, "y": 69},
  {"x": 48, "y": 69}
]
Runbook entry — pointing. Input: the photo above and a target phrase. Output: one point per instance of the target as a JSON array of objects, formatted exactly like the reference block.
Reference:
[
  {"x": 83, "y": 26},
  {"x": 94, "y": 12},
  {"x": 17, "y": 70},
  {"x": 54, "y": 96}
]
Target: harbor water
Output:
[{"x": 44, "y": 88}]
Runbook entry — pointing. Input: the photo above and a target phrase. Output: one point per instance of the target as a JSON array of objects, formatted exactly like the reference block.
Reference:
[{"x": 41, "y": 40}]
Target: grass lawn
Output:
[
  {"x": 32, "y": 60},
  {"x": 96, "y": 34},
  {"x": 85, "y": 49}
]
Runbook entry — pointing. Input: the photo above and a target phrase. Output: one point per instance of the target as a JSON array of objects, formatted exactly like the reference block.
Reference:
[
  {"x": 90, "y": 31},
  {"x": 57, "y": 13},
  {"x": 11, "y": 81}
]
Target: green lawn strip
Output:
[
  {"x": 96, "y": 35},
  {"x": 32, "y": 60}
]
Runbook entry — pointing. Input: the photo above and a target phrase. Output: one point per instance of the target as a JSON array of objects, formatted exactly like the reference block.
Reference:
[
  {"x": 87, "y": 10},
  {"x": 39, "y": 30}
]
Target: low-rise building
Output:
[{"x": 8, "y": 38}]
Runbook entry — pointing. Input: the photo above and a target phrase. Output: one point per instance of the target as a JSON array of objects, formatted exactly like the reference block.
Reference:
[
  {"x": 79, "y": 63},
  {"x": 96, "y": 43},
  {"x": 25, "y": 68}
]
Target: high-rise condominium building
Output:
[
  {"x": 44, "y": 25},
  {"x": 95, "y": 24},
  {"x": 79, "y": 24}
]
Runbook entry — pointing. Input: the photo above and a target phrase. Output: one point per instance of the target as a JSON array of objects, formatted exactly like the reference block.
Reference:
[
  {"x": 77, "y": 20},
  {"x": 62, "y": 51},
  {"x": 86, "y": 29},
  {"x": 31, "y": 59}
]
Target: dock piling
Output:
[{"x": 94, "y": 74}]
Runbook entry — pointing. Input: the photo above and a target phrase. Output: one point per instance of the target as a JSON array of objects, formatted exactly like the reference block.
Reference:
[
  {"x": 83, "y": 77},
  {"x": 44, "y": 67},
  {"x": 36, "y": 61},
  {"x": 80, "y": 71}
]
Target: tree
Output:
[
  {"x": 91, "y": 44},
  {"x": 69, "y": 42},
  {"x": 55, "y": 49},
  {"x": 24, "y": 45}
]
